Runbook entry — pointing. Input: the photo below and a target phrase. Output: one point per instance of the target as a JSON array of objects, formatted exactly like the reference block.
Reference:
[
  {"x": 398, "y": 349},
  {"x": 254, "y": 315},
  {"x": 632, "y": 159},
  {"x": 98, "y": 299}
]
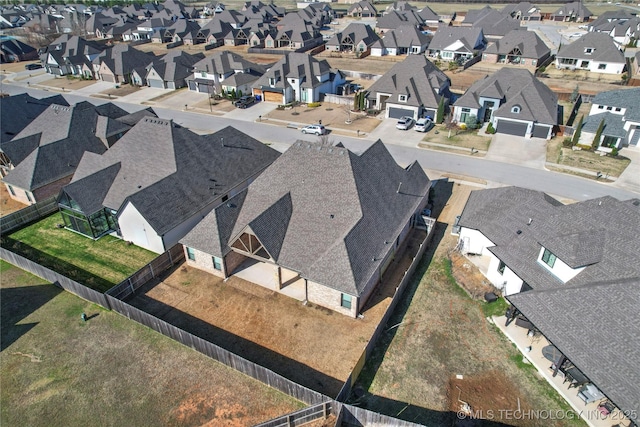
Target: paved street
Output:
[{"x": 496, "y": 169}]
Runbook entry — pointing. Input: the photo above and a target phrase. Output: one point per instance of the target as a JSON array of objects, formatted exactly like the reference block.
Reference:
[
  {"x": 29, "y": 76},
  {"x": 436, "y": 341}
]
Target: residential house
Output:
[
  {"x": 518, "y": 47},
  {"x": 266, "y": 12},
  {"x": 146, "y": 29},
  {"x": 211, "y": 9},
  {"x": 494, "y": 24},
  {"x": 568, "y": 269},
  {"x": 404, "y": 40},
  {"x": 413, "y": 87},
  {"x": 295, "y": 35},
  {"x": 98, "y": 24},
  {"x": 594, "y": 52},
  {"x": 170, "y": 71},
  {"x": 622, "y": 26},
  {"x": 619, "y": 112},
  {"x": 399, "y": 6},
  {"x": 572, "y": 12},
  {"x": 225, "y": 72},
  {"x": 118, "y": 63},
  {"x": 45, "y": 154},
  {"x": 394, "y": 19},
  {"x": 298, "y": 77},
  {"x": 43, "y": 23},
  {"x": 320, "y": 219},
  {"x": 356, "y": 37},
  {"x": 13, "y": 50},
  {"x": 362, "y": 9},
  {"x": 429, "y": 18},
  {"x": 523, "y": 11},
  {"x": 71, "y": 55},
  {"x": 514, "y": 101},
  {"x": 17, "y": 111},
  {"x": 216, "y": 30},
  {"x": 456, "y": 43},
  {"x": 160, "y": 180}
]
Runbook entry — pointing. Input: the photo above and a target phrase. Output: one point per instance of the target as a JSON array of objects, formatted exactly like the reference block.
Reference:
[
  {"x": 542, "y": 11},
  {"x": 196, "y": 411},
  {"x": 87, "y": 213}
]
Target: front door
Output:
[{"x": 488, "y": 111}]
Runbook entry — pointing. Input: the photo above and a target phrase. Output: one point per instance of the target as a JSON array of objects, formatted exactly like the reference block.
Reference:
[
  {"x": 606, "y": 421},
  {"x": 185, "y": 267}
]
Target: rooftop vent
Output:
[
  {"x": 530, "y": 221},
  {"x": 519, "y": 232}
]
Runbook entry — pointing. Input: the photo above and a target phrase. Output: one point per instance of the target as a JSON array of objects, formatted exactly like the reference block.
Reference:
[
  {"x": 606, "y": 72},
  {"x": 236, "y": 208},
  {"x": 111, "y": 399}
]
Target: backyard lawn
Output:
[
  {"x": 57, "y": 370},
  {"x": 99, "y": 264},
  {"x": 585, "y": 159}
]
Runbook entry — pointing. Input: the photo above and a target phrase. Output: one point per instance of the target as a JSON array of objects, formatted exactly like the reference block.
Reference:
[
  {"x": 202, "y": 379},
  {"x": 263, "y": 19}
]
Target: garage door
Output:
[
  {"x": 396, "y": 113},
  {"x": 428, "y": 112},
  {"x": 512, "y": 128},
  {"x": 540, "y": 131},
  {"x": 108, "y": 77},
  {"x": 159, "y": 84},
  {"x": 272, "y": 96}
]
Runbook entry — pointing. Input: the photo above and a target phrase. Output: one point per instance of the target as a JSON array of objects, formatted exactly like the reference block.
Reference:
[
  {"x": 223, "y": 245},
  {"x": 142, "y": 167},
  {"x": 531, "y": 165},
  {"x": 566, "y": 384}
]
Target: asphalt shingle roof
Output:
[
  {"x": 602, "y": 45},
  {"x": 528, "y": 42},
  {"x": 322, "y": 211},
  {"x": 516, "y": 87},
  {"x": 416, "y": 77},
  {"x": 623, "y": 98},
  {"x": 17, "y": 111},
  {"x": 167, "y": 172},
  {"x": 296, "y": 65},
  {"x": 445, "y": 36},
  {"x": 595, "y": 326},
  {"x": 613, "y": 124}
]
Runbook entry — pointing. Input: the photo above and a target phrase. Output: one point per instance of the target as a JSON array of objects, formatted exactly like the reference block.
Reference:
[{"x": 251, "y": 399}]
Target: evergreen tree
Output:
[
  {"x": 576, "y": 134},
  {"x": 440, "y": 112},
  {"x": 596, "y": 140}
]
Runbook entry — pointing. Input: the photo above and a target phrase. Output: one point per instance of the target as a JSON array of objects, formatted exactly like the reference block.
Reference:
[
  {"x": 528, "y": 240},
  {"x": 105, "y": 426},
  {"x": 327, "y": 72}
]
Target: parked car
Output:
[
  {"x": 33, "y": 66},
  {"x": 404, "y": 123},
  {"x": 423, "y": 124},
  {"x": 245, "y": 101},
  {"x": 315, "y": 129}
]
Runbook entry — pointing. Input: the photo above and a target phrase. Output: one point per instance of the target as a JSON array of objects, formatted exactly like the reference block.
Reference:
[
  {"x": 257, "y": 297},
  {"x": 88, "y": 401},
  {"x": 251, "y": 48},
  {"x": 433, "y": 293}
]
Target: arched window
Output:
[{"x": 516, "y": 109}]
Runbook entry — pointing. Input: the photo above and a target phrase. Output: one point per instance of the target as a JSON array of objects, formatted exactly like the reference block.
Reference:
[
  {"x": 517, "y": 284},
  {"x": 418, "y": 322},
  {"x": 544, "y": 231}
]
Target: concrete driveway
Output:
[
  {"x": 142, "y": 95},
  {"x": 630, "y": 178},
  {"x": 252, "y": 113},
  {"x": 387, "y": 132},
  {"x": 518, "y": 150}
]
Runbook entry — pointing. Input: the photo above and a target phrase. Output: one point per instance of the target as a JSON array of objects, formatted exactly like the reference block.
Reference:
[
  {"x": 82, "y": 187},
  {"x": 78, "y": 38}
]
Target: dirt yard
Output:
[
  {"x": 67, "y": 83},
  {"x": 437, "y": 333},
  {"x": 311, "y": 345},
  {"x": 333, "y": 116},
  {"x": 110, "y": 371},
  {"x": 7, "y": 204}
]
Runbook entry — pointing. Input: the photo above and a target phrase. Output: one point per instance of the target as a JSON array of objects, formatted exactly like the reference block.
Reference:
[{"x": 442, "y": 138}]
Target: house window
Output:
[
  {"x": 13, "y": 193},
  {"x": 464, "y": 115},
  {"x": 609, "y": 108},
  {"x": 402, "y": 98},
  {"x": 588, "y": 50},
  {"x": 203, "y": 74},
  {"x": 501, "y": 267},
  {"x": 28, "y": 196},
  {"x": 191, "y": 254},
  {"x": 600, "y": 107},
  {"x": 515, "y": 109},
  {"x": 217, "y": 263},
  {"x": 225, "y": 198},
  {"x": 610, "y": 141},
  {"x": 548, "y": 258},
  {"x": 602, "y": 67},
  {"x": 345, "y": 301},
  {"x": 618, "y": 109}
]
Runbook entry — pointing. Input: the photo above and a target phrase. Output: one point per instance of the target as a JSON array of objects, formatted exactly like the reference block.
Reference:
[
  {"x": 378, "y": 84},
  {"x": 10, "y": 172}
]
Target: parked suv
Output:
[
  {"x": 404, "y": 123},
  {"x": 245, "y": 101},
  {"x": 423, "y": 125},
  {"x": 316, "y": 129}
]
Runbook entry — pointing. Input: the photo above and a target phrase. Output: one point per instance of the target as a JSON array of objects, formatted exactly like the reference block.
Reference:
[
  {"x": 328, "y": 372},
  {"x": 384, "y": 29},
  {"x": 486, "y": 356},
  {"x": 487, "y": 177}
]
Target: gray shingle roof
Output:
[
  {"x": 445, "y": 36},
  {"x": 492, "y": 22},
  {"x": 623, "y": 98},
  {"x": 525, "y": 41},
  {"x": 572, "y": 230},
  {"x": 575, "y": 9},
  {"x": 356, "y": 33},
  {"x": 175, "y": 65},
  {"x": 51, "y": 147},
  {"x": 416, "y": 77},
  {"x": 122, "y": 59},
  {"x": 524, "y": 8},
  {"x": 322, "y": 211},
  {"x": 395, "y": 19},
  {"x": 298, "y": 65},
  {"x": 17, "y": 111},
  {"x": 169, "y": 172},
  {"x": 225, "y": 62},
  {"x": 405, "y": 36},
  {"x": 515, "y": 87},
  {"x": 602, "y": 45},
  {"x": 595, "y": 326},
  {"x": 613, "y": 124}
]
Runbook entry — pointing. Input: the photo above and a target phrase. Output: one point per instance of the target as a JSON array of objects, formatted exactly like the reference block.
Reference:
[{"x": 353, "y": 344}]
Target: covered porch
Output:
[
  {"x": 571, "y": 384},
  {"x": 272, "y": 277}
]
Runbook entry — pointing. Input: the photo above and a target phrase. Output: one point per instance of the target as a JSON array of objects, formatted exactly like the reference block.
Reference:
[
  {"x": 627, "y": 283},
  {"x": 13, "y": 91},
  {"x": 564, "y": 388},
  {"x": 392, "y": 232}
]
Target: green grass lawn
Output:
[
  {"x": 57, "y": 370},
  {"x": 98, "y": 264}
]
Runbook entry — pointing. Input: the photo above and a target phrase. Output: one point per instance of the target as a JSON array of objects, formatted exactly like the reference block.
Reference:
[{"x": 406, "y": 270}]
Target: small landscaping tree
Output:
[
  {"x": 596, "y": 140},
  {"x": 356, "y": 101},
  {"x": 239, "y": 93},
  {"x": 363, "y": 101},
  {"x": 576, "y": 134},
  {"x": 490, "y": 129},
  {"x": 233, "y": 94},
  {"x": 440, "y": 112}
]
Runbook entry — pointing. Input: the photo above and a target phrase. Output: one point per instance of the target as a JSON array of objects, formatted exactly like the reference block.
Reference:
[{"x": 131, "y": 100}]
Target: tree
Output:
[
  {"x": 440, "y": 112},
  {"x": 576, "y": 135},
  {"x": 574, "y": 95},
  {"x": 471, "y": 121},
  {"x": 596, "y": 140},
  {"x": 363, "y": 101},
  {"x": 356, "y": 101}
]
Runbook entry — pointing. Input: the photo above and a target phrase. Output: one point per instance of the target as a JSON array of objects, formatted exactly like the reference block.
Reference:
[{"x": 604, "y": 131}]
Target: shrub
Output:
[
  {"x": 567, "y": 142},
  {"x": 614, "y": 152},
  {"x": 490, "y": 129},
  {"x": 313, "y": 104}
]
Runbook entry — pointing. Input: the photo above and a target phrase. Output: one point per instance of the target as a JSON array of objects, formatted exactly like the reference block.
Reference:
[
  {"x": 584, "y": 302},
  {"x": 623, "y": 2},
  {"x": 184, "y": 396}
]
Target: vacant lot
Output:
[
  {"x": 460, "y": 141},
  {"x": 312, "y": 345},
  {"x": 99, "y": 264},
  {"x": 439, "y": 332},
  {"x": 110, "y": 371},
  {"x": 333, "y": 116},
  {"x": 67, "y": 83}
]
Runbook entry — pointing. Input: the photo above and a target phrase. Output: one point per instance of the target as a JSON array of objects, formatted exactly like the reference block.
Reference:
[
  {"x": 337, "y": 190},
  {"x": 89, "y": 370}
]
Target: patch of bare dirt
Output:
[
  {"x": 7, "y": 204},
  {"x": 487, "y": 396},
  {"x": 469, "y": 276}
]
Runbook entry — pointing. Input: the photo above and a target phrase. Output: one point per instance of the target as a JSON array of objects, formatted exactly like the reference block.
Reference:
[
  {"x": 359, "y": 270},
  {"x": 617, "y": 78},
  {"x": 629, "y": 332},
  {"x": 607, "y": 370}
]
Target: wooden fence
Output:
[
  {"x": 28, "y": 214},
  {"x": 215, "y": 352},
  {"x": 303, "y": 416},
  {"x": 159, "y": 264},
  {"x": 352, "y": 415},
  {"x": 346, "y": 388},
  {"x": 55, "y": 278}
]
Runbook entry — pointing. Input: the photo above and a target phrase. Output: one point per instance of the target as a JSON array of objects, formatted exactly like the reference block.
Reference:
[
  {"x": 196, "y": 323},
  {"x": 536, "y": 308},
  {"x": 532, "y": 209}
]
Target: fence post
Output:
[
  {"x": 170, "y": 258},
  {"x": 131, "y": 286},
  {"x": 151, "y": 268},
  {"x": 325, "y": 409}
]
